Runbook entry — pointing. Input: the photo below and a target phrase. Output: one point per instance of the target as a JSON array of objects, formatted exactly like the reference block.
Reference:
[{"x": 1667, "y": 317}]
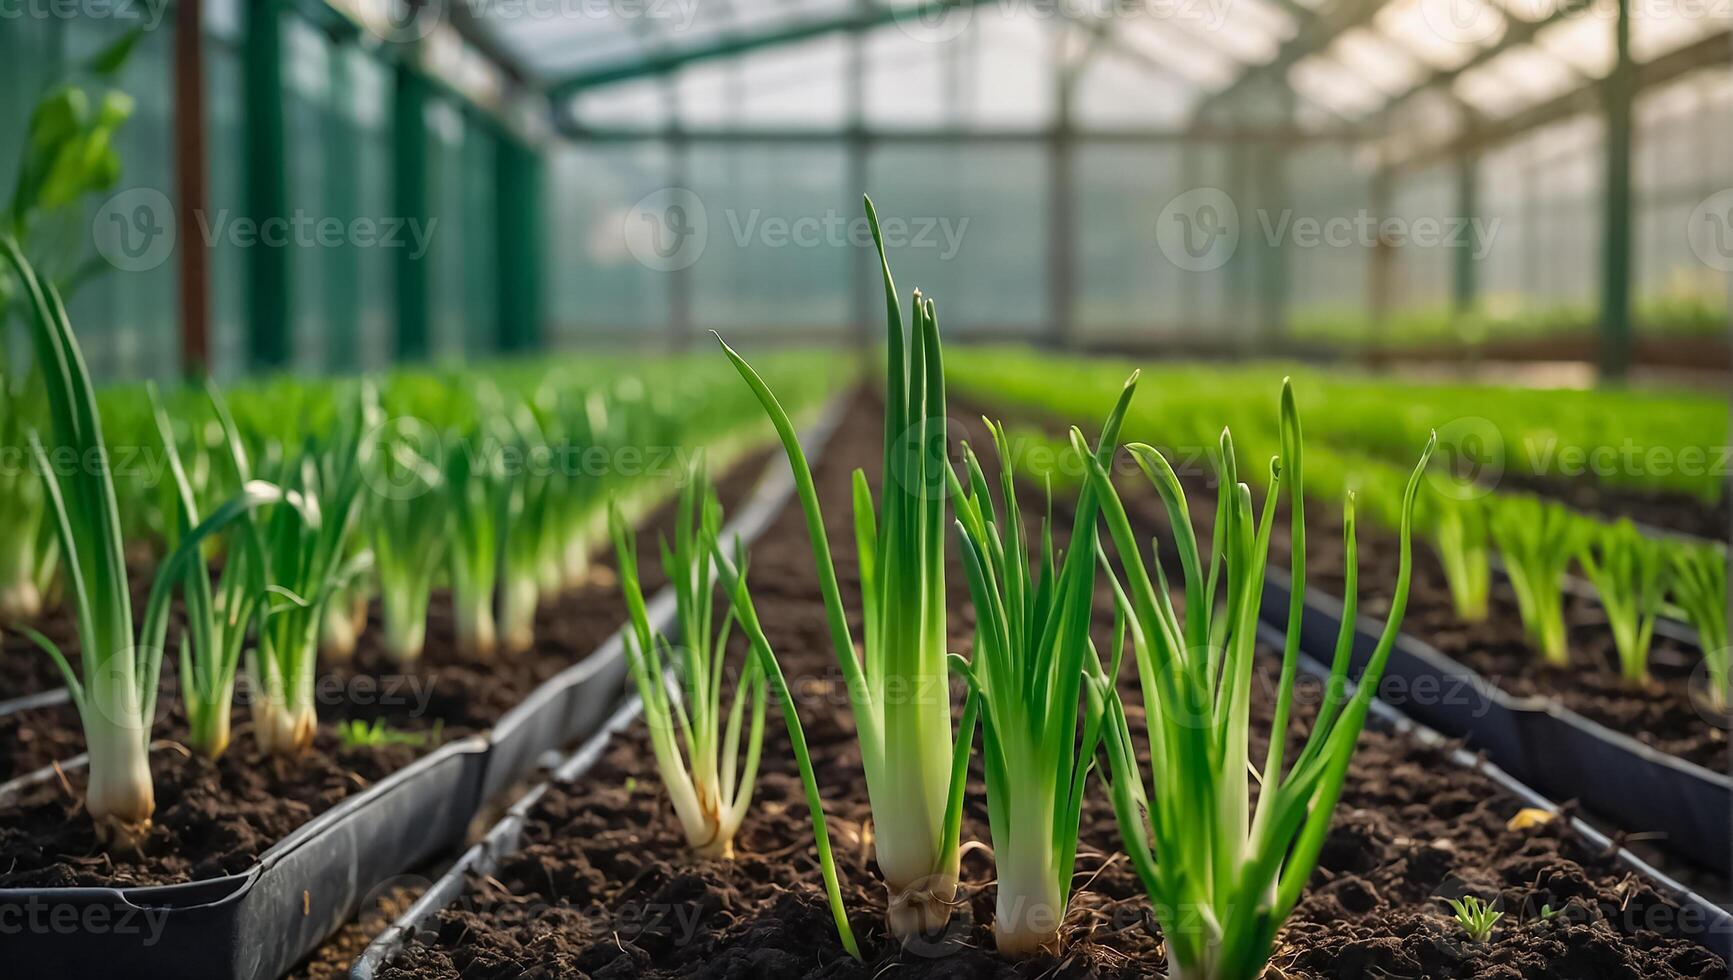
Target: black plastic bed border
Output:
[
  {"x": 258, "y": 924},
  {"x": 1536, "y": 740},
  {"x": 506, "y": 837}
]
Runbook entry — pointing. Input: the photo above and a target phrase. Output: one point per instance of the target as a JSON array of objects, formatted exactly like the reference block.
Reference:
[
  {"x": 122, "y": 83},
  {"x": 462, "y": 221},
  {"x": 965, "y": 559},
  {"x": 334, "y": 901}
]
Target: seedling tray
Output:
[
  {"x": 259, "y": 924},
  {"x": 506, "y": 837},
  {"x": 1536, "y": 740}
]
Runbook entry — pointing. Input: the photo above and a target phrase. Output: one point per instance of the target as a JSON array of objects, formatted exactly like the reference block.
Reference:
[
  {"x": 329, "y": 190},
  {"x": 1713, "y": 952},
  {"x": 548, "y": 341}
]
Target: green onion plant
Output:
[
  {"x": 524, "y": 558},
  {"x": 1458, "y": 533},
  {"x": 217, "y": 621},
  {"x": 407, "y": 521},
  {"x": 1537, "y": 540},
  {"x": 115, "y": 692},
  {"x": 1630, "y": 573},
  {"x": 307, "y": 564},
  {"x": 898, "y": 686},
  {"x": 1222, "y": 876},
  {"x": 1700, "y": 590},
  {"x": 478, "y": 497},
  {"x": 698, "y": 748},
  {"x": 1031, "y": 644}
]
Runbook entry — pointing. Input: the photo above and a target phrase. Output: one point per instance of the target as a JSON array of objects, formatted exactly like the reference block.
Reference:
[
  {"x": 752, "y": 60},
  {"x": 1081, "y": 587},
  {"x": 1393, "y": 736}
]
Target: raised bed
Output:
[
  {"x": 261, "y": 919},
  {"x": 591, "y": 876}
]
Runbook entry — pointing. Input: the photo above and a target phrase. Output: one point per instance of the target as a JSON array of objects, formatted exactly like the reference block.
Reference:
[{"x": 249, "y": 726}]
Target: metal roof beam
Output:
[
  {"x": 1519, "y": 33},
  {"x": 729, "y": 47},
  {"x": 1316, "y": 33},
  {"x": 1715, "y": 49}
]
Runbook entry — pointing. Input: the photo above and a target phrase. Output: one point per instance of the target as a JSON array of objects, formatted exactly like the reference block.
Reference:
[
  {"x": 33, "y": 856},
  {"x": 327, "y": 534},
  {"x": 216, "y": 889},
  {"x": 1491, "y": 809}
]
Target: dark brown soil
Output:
[
  {"x": 214, "y": 820},
  {"x": 604, "y": 887},
  {"x": 1662, "y": 714},
  {"x": 1667, "y": 509},
  {"x": 211, "y": 820},
  {"x": 25, "y": 669}
]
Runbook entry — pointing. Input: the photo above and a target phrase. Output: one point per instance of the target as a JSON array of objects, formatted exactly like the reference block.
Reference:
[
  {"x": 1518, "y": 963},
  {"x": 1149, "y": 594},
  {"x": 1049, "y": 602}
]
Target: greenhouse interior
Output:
[{"x": 1089, "y": 489}]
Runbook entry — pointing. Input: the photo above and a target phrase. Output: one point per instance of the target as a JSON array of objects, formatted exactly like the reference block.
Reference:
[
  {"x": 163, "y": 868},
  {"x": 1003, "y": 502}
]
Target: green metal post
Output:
[
  {"x": 267, "y": 188},
  {"x": 1616, "y": 235},
  {"x": 519, "y": 248},
  {"x": 343, "y": 197},
  {"x": 1465, "y": 284},
  {"x": 409, "y": 170}
]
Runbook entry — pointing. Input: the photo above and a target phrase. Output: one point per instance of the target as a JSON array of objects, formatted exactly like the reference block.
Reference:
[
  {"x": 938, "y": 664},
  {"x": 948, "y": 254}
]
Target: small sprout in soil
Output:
[
  {"x": 356, "y": 733},
  {"x": 1458, "y": 533},
  {"x": 1476, "y": 917}
]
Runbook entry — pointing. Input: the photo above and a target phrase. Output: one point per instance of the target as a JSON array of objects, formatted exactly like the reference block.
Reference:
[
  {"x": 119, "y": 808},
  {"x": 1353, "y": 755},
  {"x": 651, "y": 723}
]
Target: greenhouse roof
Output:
[{"x": 1417, "y": 70}]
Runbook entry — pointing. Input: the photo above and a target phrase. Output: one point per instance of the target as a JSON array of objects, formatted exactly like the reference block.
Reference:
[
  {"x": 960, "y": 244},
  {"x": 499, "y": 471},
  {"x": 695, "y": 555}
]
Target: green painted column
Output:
[
  {"x": 1616, "y": 233},
  {"x": 1465, "y": 280},
  {"x": 410, "y": 195},
  {"x": 518, "y": 191},
  {"x": 267, "y": 188},
  {"x": 343, "y": 199}
]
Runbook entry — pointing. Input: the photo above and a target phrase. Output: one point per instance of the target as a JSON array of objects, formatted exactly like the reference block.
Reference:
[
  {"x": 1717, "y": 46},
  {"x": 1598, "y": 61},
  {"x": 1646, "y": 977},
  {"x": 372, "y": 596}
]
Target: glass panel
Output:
[
  {"x": 775, "y": 253},
  {"x": 595, "y": 287},
  {"x": 974, "y": 231}
]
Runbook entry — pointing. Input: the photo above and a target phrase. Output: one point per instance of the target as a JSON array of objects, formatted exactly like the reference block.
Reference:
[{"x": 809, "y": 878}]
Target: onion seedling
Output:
[
  {"x": 217, "y": 622},
  {"x": 524, "y": 558},
  {"x": 1630, "y": 573},
  {"x": 898, "y": 687},
  {"x": 1700, "y": 590},
  {"x": 733, "y": 584},
  {"x": 1458, "y": 532},
  {"x": 408, "y": 524},
  {"x": 1475, "y": 917},
  {"x": 1031, "y": 640},
  {"x": 29, "y": 547},
  {"x": 1221, "y": 876},
  {"x": 478, "y": 495},
  {"x": 116, "y": 690},
  {"x": 710, "y": 786},
  {"x": 1537, "y": 540},
  {"x": 306, "y": 538}
]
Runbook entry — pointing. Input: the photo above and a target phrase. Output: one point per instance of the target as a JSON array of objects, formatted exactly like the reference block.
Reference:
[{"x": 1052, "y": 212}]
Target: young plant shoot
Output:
[
  {"x": 29, "y": 546},
  {"x": 1537, "y": 541},
  {"x": 898, "y": 688},
  {"x": 1223, "y": 877},
  {"x": 116, "y": 690},
  {"x": 1031, "y": 644},
  {"x": 1700, "y": 589},
  {"x": 526, "y": 540},
  {"x": 217, "y": 623},
  {"x": 1630, "y": 574},
  {"x": 306, "y": 538},
  {"x": 1458, "y": 532},
  {"x": 408, "y": 521},
  {"x": 477, "y": 493},
  {"x": 709, "y": 785},
  {"x": 733, "y": 583}
]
